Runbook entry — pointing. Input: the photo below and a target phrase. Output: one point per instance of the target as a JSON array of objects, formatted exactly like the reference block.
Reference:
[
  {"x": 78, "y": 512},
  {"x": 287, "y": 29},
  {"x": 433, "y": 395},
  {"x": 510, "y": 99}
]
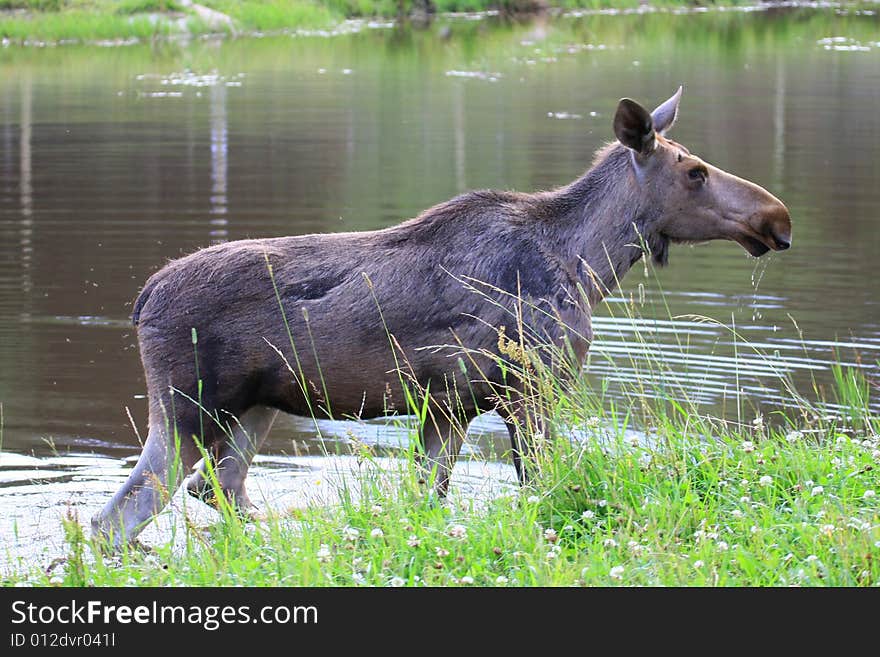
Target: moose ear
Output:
[
  {"x": 634, "y": 127},
  {"x": 664, "y": 116}
]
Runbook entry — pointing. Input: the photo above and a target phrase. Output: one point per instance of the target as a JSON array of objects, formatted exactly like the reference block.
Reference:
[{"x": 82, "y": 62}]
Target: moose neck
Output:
[{"x": 601, "y": 225}]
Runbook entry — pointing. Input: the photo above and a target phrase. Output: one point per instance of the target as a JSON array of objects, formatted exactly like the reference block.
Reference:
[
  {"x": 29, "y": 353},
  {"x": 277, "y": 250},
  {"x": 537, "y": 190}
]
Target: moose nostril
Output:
[{"x": 782, "y": 244}]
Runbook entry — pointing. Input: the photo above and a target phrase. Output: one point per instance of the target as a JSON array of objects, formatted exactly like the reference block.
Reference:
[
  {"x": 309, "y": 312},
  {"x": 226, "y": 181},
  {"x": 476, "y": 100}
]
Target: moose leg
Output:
[
  {"x": 232, "y": 459},
  {"x": 441, "y": 441},
  {"x": 154, "y": 478},
  {"x": 523, "y": 427}
]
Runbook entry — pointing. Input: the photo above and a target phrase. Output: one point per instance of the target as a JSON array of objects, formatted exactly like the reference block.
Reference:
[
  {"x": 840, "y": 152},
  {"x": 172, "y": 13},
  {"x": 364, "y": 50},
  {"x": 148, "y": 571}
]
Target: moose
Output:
[{"x": 324, "y": 324}]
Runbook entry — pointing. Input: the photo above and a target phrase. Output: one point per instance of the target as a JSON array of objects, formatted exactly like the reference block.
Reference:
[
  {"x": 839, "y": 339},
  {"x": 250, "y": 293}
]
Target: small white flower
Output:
[
  {"x": 377, "y": 533},
  {"x": 359, "y": 578},
  {"x": 748, "y": 446},
  {"x": 808, "y": 483},
  {"x": 376, "y": 509},
  {"x": 699, "y": 563},
  {"x": 357, "y": 561},
  {"x": 552, "y": 554},
  {"x": 397, "y": 582},
  {"x": 811, "y": 558},
  {"x": 827, "y": 529},
  {"x": 868, "y": 494},
  {"x": 745, "y": 499},
  {"x": 602, "y": 503},
  {"x": 794, "y": 436},
  {"x": 876, "y": 454},
  {"x": 766, "y": 480},
  {"x": 635, "y": 548},
  {"x": 550, "y": 535},
  {"x": 736, "y": 513},
  {"x": 842, "y": 440},
  {"x": 324, "y": 553},
  {"x": 758, "y": 422},
  {"x": 501, "y": 580},
  {"x": 609, "y": 542},
  {"x": 616, "y": 572},
  {"x": 458, "y": 531},
  {"x": 441, "y": 552},
  {"x": 467, "y": 579},
  {"x": 722, "y": 546},
  {"x": 817, "y": 490},
  {"x": 588, "y": 515},
  {"x": 350, "y": 533},
  {"x": 592, "y": 422},
  {"x": 57, "y": 580},
  {"x": 533, "y": 499},
  {"x": 413, "y": 541}
]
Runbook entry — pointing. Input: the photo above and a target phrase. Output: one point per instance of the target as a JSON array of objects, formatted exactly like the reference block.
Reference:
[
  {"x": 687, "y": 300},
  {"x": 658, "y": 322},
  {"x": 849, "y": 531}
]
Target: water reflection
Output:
[
  {"x": 25, "y": 187},
  {"x": 779, "y": 124},
  {"x": 115, "y": 161},
  {"x": 459, "y": 135},
  {"x": 219, "y": 145}
]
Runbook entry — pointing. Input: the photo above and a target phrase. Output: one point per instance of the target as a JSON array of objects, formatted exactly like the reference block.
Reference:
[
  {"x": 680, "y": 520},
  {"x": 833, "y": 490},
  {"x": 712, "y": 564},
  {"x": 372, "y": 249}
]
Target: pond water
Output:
[{"x": 114, "y": 160}]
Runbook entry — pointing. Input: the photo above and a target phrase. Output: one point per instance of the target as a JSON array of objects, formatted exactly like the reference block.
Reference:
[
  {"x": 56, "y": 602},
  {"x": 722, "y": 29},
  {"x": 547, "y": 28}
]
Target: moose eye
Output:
[{"x": 698, "y": 174}]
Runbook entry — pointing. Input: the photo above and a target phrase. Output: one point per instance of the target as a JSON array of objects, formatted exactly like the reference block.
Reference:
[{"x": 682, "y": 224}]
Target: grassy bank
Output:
[
  {"x": 83, "y": 21},
  {"x": 41, "y": 22},
  {"x": 787, "y": 498},
  {"x": 754, "y": 507}
]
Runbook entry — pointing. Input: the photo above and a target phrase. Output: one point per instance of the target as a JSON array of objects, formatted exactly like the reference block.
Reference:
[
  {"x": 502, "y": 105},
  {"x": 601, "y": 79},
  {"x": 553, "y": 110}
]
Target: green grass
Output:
[
  {"x": 85, "y": 21},
  {"x": 32, "y": 5},
  {"x": 98, "y": 20},
  {"x": 80, "y": 26},
  {"x": 750, "y": 508},
  {"x": 105, "y": 6},
  {"x": 693, "y": 500},
  {"x": 146, "y": 6},
  {"x": 267, "y": 15}
]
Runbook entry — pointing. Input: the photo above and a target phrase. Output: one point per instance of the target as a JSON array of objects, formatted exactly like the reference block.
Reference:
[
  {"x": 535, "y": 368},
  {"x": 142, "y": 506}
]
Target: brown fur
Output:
[{"x": 445, "y": 280}]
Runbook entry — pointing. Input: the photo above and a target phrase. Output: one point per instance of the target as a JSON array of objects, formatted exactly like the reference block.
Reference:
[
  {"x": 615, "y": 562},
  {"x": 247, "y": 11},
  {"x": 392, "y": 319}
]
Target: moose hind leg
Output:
[
  {"x": 232, "y": 458},
  {"x": 442, "y": 442},
  {"x": 523, "y": 427},
  {"x": 154, "y": 478}
]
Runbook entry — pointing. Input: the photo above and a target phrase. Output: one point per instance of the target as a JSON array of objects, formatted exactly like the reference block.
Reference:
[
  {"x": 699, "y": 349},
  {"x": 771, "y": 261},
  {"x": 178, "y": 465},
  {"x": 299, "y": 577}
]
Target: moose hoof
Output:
[{"x": 199, "y": 488}]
